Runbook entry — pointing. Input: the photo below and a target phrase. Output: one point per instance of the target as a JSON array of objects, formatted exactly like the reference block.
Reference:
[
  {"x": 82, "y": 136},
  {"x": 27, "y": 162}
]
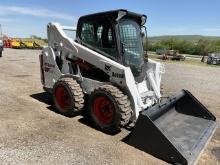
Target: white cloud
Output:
[
  {"x": 216, "y": 29},
  {"x": 37, "y": 12},
  {"x": 4, "y": 20}
]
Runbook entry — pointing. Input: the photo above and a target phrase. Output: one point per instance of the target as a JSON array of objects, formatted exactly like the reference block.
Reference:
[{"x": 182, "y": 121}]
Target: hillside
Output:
[{"x": 192, "y": 38}]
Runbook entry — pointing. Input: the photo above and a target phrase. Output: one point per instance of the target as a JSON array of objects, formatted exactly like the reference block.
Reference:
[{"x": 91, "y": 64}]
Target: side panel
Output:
[{"x": 49, "y": 68}]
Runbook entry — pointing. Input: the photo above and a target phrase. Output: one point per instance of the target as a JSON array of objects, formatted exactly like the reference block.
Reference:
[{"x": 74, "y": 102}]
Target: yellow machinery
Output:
[
  {"x": 29, "y": 44},
  {"x": 37, "y": 46},
  {"x": 17, "y": 44},
  {"x": 32, "y": 45}
]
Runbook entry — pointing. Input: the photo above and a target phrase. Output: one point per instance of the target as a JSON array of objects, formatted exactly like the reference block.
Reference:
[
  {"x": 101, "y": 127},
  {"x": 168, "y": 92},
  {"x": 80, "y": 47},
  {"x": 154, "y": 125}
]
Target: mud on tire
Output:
[{"x": 68, "y": 97}]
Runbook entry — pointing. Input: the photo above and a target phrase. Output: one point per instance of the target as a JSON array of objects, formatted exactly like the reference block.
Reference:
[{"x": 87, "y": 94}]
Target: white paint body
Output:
[{"x": 142, "y": 95}]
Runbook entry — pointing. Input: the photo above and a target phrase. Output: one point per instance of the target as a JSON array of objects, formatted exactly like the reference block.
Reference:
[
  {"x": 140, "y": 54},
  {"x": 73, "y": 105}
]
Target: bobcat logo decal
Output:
[{"x": 108, "y": 68}]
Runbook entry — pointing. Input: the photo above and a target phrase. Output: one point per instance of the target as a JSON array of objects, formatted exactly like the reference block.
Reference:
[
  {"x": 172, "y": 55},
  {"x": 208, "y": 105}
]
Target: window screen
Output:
[
  {"x": 87, "y": 34},
  {"x": 100, "y": 36},
  {"x": 131, "y": 40}
]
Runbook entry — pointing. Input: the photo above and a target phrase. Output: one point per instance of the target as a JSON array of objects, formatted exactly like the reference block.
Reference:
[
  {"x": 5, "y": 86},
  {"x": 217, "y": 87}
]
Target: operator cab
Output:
[{"x": 115, "y": 34}]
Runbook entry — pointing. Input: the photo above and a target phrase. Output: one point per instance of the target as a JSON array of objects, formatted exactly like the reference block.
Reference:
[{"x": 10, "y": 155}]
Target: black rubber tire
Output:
[
  {"x": 0, "y": 54},
  {"x": 122, "y": 109},
  {"x": 76, "y": 97}
]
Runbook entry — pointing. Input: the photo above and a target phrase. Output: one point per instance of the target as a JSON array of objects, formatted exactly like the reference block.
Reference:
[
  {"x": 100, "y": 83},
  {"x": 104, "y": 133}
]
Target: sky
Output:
[{"x": 22, "y": 18}]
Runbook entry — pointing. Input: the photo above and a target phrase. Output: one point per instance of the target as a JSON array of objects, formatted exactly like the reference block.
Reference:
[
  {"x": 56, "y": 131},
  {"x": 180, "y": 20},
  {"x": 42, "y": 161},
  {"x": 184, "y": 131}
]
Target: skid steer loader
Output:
[{"x": 105, "y": 65}]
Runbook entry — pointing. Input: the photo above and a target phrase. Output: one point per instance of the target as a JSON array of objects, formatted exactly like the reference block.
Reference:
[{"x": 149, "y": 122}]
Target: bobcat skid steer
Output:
[{"x": 105, "y": 65}]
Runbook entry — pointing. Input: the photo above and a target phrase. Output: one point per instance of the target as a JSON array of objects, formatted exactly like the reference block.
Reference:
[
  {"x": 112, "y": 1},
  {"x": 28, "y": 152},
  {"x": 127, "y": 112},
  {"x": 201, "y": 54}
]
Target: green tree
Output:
[
  {"x": 204, "y": 47},
  {"x": 169, "y": 43},
  {"x": 35, "y": 37},
  {"x": 183, "y": 46},
  {"x": 217, "y": 46}
]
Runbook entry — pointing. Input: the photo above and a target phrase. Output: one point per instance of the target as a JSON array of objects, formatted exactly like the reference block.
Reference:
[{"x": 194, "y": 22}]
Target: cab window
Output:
[{"x": 100, "y": 36}]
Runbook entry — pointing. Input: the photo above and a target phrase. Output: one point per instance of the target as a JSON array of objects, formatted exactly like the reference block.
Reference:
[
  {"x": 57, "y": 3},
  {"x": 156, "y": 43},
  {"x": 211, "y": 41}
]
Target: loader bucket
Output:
[{"x": 176, "y": 130}]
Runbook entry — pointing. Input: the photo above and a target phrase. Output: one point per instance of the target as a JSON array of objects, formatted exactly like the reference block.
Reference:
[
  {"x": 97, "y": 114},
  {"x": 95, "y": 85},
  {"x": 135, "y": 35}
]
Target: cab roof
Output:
[{"x": 114, "y": 15}]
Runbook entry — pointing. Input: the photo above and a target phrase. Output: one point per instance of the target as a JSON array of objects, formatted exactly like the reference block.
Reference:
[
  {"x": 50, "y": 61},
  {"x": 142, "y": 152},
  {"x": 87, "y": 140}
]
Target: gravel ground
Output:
[{"x": 32, "y": 133}]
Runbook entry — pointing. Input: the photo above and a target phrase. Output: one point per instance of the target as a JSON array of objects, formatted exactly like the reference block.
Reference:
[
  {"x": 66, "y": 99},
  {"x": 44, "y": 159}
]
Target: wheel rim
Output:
[
  {"x": 62, "y": 97},
  {"x": 103, "y": 109}
]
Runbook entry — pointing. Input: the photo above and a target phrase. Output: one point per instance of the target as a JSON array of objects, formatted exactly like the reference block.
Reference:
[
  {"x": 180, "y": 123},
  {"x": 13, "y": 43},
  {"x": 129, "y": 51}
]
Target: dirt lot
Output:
[{"x": 32, "y": 133}]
